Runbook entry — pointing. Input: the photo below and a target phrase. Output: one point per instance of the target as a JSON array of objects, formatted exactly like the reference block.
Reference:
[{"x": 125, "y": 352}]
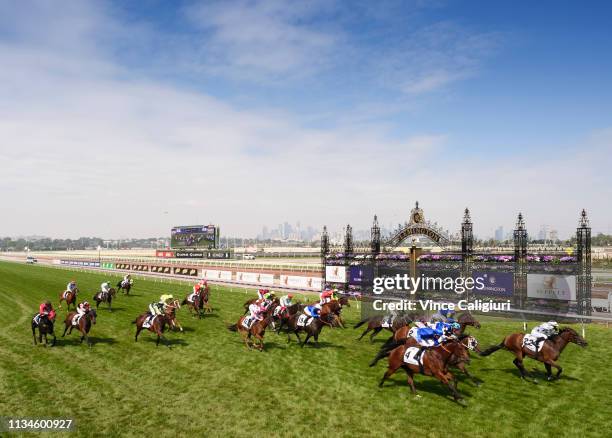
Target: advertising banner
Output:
[
  {"x": 317, "y": 283},
  {"x": 218, "y": 254},
  {"x": 335, "y": 274},
  {"x": 499, "y": 284},
  {"x": 161, "y": 269},
  {"x": 225, "y": 275},
  {"x": 211, "y": 274},
  {"x": 160, "y": 253},
  {"x": 551, "y": 287},
  {"x": 267, "y": 279},
  {"x": 248, "y": 277},
  {"x": 192, "y": 272},
  {"x": 188, "y": 254},
  {"x": 107, "y": 265},
  {"x": 359, "y": 275},
  {"x": 125, "y": 266},
  {"x": 140, "y": 268},
  {"x": 296, "y": 281}
]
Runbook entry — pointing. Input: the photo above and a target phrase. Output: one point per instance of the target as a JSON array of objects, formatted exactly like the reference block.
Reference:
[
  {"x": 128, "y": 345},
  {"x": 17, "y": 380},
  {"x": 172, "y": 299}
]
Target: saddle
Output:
[
  {"x": 387, "y": 321},
  {"x": 76, "y": 318},
  {"x": 65, "y": 296},
  {"x": 533, "y": 343}
]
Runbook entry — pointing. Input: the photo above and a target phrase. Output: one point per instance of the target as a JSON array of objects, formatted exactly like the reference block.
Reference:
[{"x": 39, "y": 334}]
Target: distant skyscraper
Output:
[{"x": 499, "y": 234}]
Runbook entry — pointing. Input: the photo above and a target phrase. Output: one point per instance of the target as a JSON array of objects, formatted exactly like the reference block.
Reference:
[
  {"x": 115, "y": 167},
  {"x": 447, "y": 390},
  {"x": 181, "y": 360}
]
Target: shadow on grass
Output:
[
  {"x": 428, "y": 385},
  {"x": 169, "y": 341}
]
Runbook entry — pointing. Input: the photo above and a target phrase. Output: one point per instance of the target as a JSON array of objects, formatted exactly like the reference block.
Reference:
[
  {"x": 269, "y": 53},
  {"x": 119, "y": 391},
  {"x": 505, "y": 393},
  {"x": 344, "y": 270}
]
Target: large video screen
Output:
[{"x": 194, "y": 236}]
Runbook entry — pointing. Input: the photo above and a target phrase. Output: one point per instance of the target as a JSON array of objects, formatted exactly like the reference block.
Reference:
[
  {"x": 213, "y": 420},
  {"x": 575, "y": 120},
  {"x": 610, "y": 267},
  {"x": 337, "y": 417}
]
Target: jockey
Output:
[
  {"x": 105, "y": 287},
  {"x": 71, "y": 286},
  {"x": 286, "y": 301},
  {"x": 261, "y": 293},
  {"x": 160, "y": 307},
  {"x": 82, "y": 308},
  {"x": 46, "y": 309},
  {"x": 326, "y": 296},
  {"x": 127, "y": 279},
  {"x": 426, "y": 336},
  {"x": 257, "y": 311},
  {"x": 269, "y": 296},
  {"x": 199, "y": 287},
  {"x": 313, "y": 311},
  {"x": 544, "y": 331}
]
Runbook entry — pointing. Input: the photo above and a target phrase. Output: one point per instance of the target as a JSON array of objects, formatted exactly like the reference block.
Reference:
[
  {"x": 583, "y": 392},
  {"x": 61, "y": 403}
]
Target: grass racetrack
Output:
[{"x": 210, "y": 384}]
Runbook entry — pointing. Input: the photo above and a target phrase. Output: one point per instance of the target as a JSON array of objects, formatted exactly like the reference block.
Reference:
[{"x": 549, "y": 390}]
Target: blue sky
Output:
[{"x": 325, "y": 112}]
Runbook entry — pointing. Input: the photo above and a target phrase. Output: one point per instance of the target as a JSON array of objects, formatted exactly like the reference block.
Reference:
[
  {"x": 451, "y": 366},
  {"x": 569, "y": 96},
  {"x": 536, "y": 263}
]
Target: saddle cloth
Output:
[
  {"x": 65, "y": 295},
  {"x": 248, "y": 322},
  {"x": 36, "y": 319},
  {"x": 304, "y": 320},
  {"x": 410, "y": 356},
  {"x": 530, "y": 341},
  {"x": 191, "y": 297},
  {"x": 148, "y": 322},
  {"x": 277, "y": 310},
  {"x": 76, "y": 318},
  {"x": 102, "y": 296},
  {"x": 387, "y": 321}
]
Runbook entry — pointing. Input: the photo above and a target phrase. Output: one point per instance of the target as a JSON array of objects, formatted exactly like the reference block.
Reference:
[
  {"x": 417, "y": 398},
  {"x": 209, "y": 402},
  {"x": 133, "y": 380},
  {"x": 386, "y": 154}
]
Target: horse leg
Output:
[
  {"x": 34, "y": 333},
  {"x": 306, "y": 340},
  {"x": 110, "y": 300},
  {"x": 138, "y": 329},
  {"x": 559, "y": 369},
  {"x": 54, "y": 339},
  {"x": 461, "y": 366},
  {"x": 376, "y": 331},
  {"x": 410, "y": 378},
  {"x": 390, "y": 371},
  {"x": 316, "y": 338},
  {"x": 65, "y": 330},
  {"x": 364, "y": 333}
]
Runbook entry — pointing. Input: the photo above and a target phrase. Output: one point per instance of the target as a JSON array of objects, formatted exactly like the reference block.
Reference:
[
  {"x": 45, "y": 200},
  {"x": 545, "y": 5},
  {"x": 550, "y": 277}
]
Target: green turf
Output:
[{"x": 209, "y": 384}]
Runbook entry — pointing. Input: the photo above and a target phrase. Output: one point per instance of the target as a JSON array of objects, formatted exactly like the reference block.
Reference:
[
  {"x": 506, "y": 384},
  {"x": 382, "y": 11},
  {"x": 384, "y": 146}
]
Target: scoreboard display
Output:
[{"x": 194, "y": 236}]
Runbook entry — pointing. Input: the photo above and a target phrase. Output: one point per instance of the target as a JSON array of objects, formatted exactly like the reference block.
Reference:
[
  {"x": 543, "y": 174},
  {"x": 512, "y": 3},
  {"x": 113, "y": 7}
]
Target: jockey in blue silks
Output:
[
  {"x": 448, "y": 314},
  {"x": 433, "y": 334},
  {"x": 314, "y": 311}
]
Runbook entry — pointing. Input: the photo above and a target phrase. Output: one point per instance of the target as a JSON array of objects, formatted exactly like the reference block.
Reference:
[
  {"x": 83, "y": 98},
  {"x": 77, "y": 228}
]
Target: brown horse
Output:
[
  {"x": 549, "y": 354},
  {"x": 105, "y": 297},
  {"x": 125, "y": 288},
  {"x": 434, "y": 362},
  {"x": 157, "y": 327},
  {"x": 45, "y": 327},
  {"x": 375, "y": 325},
  {"x": 199, "y": 305},
  {"x": 170, "y": 313},
  {"x": 69, "y": 297},
  {"x": 469, "y": 342},
  {"x": 257, "y": 329},
  {"x": 312, "y": 330},
  {"x": 83, "y": 325},
  {"x": 465, "y": 319}
]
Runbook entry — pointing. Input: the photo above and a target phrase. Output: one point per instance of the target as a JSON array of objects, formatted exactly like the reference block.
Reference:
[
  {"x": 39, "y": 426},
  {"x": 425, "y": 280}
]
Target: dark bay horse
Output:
[
  {"x": 69, "y": 297},
  {"x": 465, "y": 320},
  {"x": 125, "y": 288},
  {"x": 312, "y": 330},
  {"x": 549, "y": 354},
  {"x": 375, "y": 325},
  {"x": 105, "y": 297},
  {"x": 45, "y": 327},
  {"x": 83, "y": 325},
  {"x": 199, "y": 305},
  {"x": 435, "y": 363},
  {"x": 157, "y": 327},
  {"x": 257, "y": 329}
]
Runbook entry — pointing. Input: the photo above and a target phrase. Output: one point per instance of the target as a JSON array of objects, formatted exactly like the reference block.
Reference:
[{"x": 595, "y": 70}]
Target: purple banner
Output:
[
  {"x": 499, "y": 284},
  {"x": 361, "y": 275}
]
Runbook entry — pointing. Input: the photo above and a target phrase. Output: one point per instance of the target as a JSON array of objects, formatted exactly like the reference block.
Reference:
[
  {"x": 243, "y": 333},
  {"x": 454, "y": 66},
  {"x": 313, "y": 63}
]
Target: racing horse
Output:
[
  {"x": 256, "y": 330},
  {"x": 375, "y": 324},
  {"x": 312, "y": 328},
  {"x": 549, "y": 354},
  {"x": 105, "y": 297},
  {"x": 464, "y": 320},
  {"x": 157, "y": 326},
  {"x": 45, "y": 327},
  {"x": 199, "y": 304},
  {"x": 170, "y": 313},
  {"x": 469, "y": 341},
  {"x": 125, "y": 288},
  {"x": 69, "y": 297},
  {"x": 83, "y": 324},
  {"x": 434, "y": 362}
]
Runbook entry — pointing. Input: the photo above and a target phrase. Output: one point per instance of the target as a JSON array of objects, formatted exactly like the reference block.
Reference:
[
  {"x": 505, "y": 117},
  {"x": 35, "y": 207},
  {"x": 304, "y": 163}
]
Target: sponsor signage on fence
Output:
[
  {"x": 335, "y": 274},
  {"x": 266, "y": 279},
  {"x": 360, "y": 275},
  {"x": 125, "y": 266},
  {"x": 164, "y": 254},
  {"x": 140, "y": 268},
  {"x": 218, "y": 254},
  {"x": 248, "y": 277},
  {"x": 161, "y": 269},
  {"x": 317, "y": 283},
  {"x": 189, "y": 254},
  {"x": 192, "y": 272},
  {"x": 551, "y": 287},
  {"x": 225, "y": 275},
  {"x": 83, "y": 263},
  {"x": 107, "y": 265},
  {"x": 296, "y": 281},
  {"x": 499, "y": 284},
  {"x": 210, "y": 274}
]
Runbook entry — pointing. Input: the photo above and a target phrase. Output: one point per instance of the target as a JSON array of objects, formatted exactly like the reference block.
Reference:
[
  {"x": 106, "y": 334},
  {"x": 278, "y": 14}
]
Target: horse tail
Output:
[
  {"x": 360, "y": 323},
  {"x": 233, "y": 327},
  {"x": 386, "y": 350},
  {"x": 492, "y": 349}
]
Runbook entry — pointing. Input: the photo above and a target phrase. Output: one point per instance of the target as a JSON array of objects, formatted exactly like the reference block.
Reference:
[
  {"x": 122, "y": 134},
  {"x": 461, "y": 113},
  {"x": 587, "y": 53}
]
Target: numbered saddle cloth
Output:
[
  {"x": 191, "y": 297},
  {"x": 36, "y": 319},
  {"x": 76, "y": 318},
  {"x": 102, "y": 296},
  {"x": 277, "y": 310},
  {"x": 387, "y": 321},
  {"x": 304, "y": 320},
  {"x": 247, "y": 322},
  {"x": 148, "y": 322},
  {"x": 65, "y": 295},
  {"x": 530, "y": 342},
  {"x": 410, "y": 356}
]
